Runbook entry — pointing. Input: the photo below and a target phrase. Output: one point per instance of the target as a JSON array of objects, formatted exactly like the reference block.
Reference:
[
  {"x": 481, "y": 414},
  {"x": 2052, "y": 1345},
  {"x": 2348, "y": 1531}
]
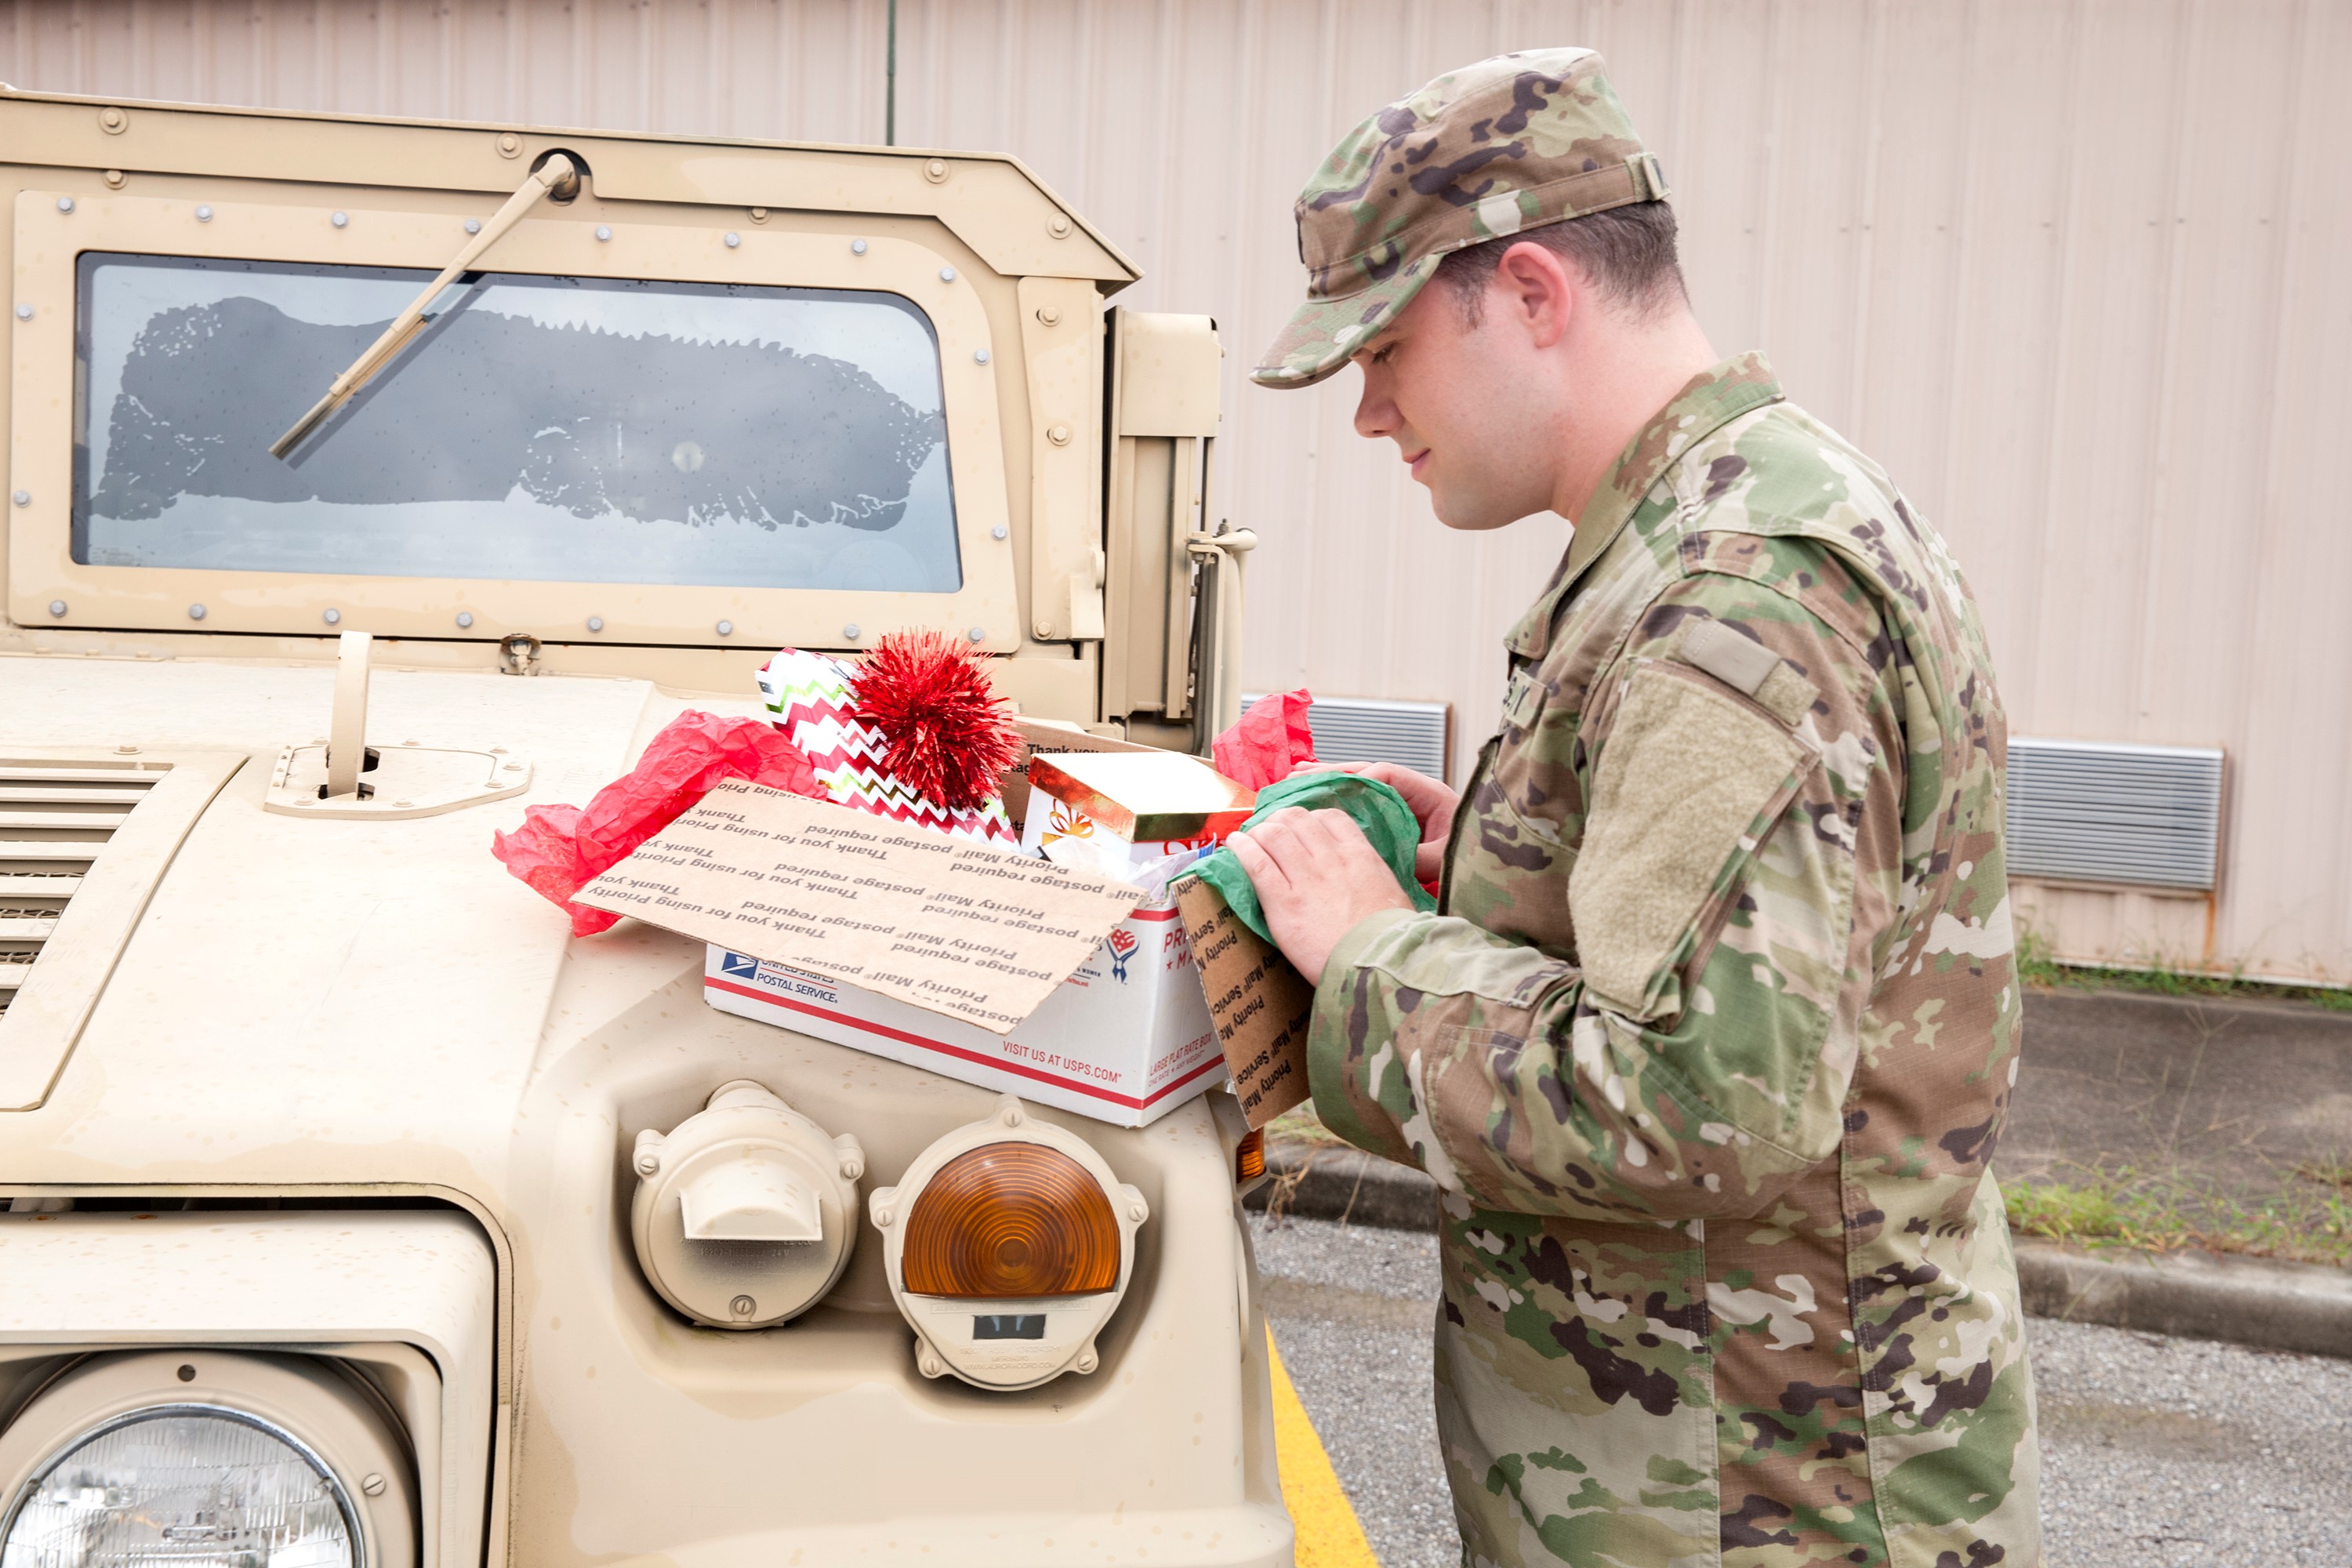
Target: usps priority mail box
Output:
[{"x": 1126, "y": 1039}]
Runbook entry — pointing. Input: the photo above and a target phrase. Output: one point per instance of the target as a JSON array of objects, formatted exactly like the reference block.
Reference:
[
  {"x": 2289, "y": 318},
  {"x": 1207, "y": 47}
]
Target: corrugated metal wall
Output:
[{"x": 2074, "y": 271}]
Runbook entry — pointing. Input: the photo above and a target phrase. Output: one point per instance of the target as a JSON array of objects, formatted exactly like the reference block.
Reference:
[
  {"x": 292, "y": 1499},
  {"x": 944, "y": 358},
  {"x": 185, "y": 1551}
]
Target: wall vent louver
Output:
[
  {"x": 55, "y": 822},
  {"x": 2139, "y": 816},
  {"x": 1369, "y": 730}
]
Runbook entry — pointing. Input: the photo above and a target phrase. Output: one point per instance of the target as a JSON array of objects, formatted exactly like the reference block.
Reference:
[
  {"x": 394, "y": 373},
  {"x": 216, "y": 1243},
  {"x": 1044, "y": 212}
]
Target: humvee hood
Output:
[{"x": 314, "y": 1000}]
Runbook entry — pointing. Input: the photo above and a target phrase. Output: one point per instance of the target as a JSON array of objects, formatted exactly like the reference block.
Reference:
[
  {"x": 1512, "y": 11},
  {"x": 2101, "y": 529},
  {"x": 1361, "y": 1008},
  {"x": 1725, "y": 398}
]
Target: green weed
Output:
[
  {"x": 2307, "y": 1219},
  {"x": 2040, "y": 968}
]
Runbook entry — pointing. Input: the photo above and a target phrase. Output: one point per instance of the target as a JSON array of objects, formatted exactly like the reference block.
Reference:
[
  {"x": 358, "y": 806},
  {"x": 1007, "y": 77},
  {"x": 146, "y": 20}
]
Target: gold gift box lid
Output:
[{"x": 1145, "y": 796}]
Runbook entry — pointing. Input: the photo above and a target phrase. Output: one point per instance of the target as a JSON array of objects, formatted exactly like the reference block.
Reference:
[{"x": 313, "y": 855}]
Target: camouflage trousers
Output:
[{"x": 1593, "y": 1411}]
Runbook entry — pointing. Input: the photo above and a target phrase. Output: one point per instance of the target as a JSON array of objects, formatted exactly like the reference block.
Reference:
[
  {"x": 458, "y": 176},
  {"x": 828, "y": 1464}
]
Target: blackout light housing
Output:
[{"x": 1008, "y": 1244}]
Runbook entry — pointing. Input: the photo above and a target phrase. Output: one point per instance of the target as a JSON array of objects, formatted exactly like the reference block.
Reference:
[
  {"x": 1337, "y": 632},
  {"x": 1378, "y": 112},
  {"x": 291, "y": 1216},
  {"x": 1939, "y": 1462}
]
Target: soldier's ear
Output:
[{"x": 1536, "y": 291}]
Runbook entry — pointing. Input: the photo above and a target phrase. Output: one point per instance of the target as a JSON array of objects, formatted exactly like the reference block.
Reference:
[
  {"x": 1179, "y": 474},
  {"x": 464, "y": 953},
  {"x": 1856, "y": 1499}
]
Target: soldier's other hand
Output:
[
  {"x": 1317, "y": 875},
  {"x": 1432, "y": 805}
]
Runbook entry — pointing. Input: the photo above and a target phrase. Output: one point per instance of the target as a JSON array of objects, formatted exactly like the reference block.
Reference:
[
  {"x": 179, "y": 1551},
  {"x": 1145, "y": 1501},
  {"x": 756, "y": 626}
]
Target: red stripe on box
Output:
[
  {"x": 926, "y": 1043},
  {"x": 1168, "y": 914}
]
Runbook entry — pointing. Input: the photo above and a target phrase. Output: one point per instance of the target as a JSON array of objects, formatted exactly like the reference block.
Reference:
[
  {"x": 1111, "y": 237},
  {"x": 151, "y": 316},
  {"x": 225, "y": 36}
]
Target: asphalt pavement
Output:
[{"x": 2156, "y": 1452}]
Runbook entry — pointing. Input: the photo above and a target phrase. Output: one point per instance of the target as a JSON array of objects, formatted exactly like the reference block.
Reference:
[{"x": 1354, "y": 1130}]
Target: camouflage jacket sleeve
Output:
[{"x": 1737, "y": 760}]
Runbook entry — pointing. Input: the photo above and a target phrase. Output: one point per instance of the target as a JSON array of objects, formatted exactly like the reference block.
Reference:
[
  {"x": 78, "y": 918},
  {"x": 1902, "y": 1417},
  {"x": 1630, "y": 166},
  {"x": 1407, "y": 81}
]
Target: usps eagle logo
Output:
[{"x": 1122, "y": 945}]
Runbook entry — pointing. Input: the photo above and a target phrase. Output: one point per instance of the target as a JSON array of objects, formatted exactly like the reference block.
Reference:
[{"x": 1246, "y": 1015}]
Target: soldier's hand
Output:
[
  {"x": 1432, "y": 805},
  {"x": 1317, "y": 875}
]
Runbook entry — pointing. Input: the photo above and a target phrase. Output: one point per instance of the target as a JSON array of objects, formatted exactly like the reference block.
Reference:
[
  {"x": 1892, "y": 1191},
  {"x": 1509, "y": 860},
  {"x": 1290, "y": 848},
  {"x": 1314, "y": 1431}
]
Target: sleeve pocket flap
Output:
[{"x": 1690, "y": 777}]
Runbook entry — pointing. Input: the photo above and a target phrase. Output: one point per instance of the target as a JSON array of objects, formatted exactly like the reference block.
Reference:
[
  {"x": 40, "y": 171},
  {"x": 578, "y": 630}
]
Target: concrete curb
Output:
[{"x": 2199, "y": 1295}]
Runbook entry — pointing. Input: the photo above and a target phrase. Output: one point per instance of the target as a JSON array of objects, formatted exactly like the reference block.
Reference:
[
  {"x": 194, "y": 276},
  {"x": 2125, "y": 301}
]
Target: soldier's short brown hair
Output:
[{"x": 1628, "y": 251}]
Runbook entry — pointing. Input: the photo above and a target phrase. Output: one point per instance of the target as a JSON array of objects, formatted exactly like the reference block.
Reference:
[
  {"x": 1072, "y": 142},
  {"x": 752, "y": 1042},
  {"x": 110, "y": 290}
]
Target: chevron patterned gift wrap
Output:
[{"x": 808, "y": 696}]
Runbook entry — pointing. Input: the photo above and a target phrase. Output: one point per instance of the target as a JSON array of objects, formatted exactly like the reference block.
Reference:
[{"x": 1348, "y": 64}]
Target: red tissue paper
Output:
[
  {"x": 1270, "y": 739},
  {"x": 560, "y": 849}
]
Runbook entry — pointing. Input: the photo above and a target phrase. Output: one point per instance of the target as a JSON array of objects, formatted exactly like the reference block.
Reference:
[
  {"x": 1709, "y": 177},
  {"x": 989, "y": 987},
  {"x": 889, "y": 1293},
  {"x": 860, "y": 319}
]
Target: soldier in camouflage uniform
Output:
[{"x": 1710, "y": 1039}]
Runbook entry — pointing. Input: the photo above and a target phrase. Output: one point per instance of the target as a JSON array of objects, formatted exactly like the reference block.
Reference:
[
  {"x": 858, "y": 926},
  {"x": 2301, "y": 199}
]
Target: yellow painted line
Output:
[{"x": 1328, "y": 1533}]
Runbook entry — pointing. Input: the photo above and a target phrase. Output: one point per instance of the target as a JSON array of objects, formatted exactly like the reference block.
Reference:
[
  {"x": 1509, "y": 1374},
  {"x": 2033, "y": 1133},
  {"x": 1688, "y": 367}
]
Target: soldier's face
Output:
[{"x": 1465, "y": 403}]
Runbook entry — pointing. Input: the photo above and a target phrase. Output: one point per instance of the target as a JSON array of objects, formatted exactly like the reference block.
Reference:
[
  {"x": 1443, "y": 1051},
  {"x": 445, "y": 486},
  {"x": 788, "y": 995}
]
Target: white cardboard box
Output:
[{"x": 1126, "y": 1039}]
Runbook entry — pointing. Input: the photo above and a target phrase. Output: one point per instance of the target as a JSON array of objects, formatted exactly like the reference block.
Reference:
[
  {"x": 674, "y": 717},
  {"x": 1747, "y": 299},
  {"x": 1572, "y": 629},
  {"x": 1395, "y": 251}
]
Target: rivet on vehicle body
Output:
[
  {"x": 1059, "y": 434},
  {"x": 1059, "y": 226},
  {"x": 126, "y": 751},
  {"x": 936, "y": 170},
  {"x": 980, "y": 356},
  {"x": 112, "y": 120},
  {"x": 56, "y": 607},
  {"x": 23, "y": 497},
  {"x": 65, "y": 203},
  {"x": 603, "y": 232},
  {"x": 473, "y": 226},
  {"x": 978, "y": 634},
  {"x": 857, "y": 248},
  {"x": 726, "y": 629},
  {"x": 465, "y": 619},
  {"x": 733, "y": 239},
  {"x": 203, "y": 214},
  {"x": 372, "y": 1485},
  {"x": 850, "y": 631},
  {"x": 1045, "y": 629},
  {"x": 596, "y": 622},
  {"x": 758, "y": 214},
  {"x": 115, "y": 179},
  {"x": 333, "y": 617},
  {"x": 742, "y": 1306},
  {"x": 195, "y": 612},
  {"x": 24, "y": 313},
  {"x": 999, "y": 531},
  {"x": 947, "y": 273},
  {"x": 1050, "y": 315},
  {"x": 510, "y": 145},
  {"x": 187, "y": 1373},
  {"x": 340, "y": 220}
]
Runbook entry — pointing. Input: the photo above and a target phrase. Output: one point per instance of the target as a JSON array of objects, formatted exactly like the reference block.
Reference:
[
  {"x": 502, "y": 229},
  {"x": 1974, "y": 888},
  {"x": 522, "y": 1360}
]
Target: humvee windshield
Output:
[{"x": 582, "y": 429}]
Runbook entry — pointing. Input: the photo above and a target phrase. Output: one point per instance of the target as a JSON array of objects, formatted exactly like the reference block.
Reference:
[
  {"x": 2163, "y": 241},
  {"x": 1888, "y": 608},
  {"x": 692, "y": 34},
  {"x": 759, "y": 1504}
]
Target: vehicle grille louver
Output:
[{"x": 55, "y": 822}]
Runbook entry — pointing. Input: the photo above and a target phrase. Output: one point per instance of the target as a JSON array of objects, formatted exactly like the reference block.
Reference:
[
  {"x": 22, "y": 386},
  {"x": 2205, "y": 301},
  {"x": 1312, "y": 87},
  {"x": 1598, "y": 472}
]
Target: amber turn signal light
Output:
[
  {"x": 1249, "y": 1156},
  {"x": 1013, "y": 1220}
]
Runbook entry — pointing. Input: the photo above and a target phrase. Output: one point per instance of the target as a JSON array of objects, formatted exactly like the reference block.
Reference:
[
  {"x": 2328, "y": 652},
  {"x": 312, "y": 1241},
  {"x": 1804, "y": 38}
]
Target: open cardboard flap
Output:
[
  {"x": 965, "y": 928},
  {"x": 1259, "y": 1002}
]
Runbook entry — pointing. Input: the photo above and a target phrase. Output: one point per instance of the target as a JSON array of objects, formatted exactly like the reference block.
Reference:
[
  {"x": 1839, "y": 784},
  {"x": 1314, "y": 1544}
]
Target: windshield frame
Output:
[{"x": 944, "y": 288}]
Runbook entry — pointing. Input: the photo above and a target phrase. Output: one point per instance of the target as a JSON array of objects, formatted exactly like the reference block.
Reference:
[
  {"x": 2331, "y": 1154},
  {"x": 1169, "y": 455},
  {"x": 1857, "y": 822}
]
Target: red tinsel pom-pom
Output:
[{"x": 947, "y": 736}]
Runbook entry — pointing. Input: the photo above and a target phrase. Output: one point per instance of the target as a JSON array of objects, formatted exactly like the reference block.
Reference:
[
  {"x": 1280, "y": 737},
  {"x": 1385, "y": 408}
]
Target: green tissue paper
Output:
[{"x": 1378, "y": 810}]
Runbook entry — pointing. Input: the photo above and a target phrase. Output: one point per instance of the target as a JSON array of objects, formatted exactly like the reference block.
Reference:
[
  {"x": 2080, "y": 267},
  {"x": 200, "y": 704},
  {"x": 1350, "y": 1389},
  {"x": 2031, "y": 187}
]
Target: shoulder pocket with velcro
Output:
[{"x": 1691, "y": 777}]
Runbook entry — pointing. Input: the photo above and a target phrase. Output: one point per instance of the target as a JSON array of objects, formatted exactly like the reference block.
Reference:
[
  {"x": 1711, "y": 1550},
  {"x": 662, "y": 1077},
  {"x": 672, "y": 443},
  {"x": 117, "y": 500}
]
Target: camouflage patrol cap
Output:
[{"x": 1509, "y": 143}]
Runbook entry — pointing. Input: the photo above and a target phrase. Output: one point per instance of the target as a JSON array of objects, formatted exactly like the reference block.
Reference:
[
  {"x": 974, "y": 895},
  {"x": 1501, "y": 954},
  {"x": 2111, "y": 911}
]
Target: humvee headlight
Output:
[
  {"x": 203, "y": 1459},
  {"x": 1008, "y": 1244},
  {"x": 187, "y": 1484}
]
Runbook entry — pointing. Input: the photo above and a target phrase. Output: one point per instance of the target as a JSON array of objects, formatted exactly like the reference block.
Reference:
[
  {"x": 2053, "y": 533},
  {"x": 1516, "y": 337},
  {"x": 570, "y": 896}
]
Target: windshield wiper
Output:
[{"x": 405, "y": 326}]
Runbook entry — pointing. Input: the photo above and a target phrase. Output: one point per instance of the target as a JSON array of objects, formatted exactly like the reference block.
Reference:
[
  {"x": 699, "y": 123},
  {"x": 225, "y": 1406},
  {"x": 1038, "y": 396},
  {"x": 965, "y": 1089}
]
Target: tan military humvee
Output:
[{"x": 337, "y": 1173}]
